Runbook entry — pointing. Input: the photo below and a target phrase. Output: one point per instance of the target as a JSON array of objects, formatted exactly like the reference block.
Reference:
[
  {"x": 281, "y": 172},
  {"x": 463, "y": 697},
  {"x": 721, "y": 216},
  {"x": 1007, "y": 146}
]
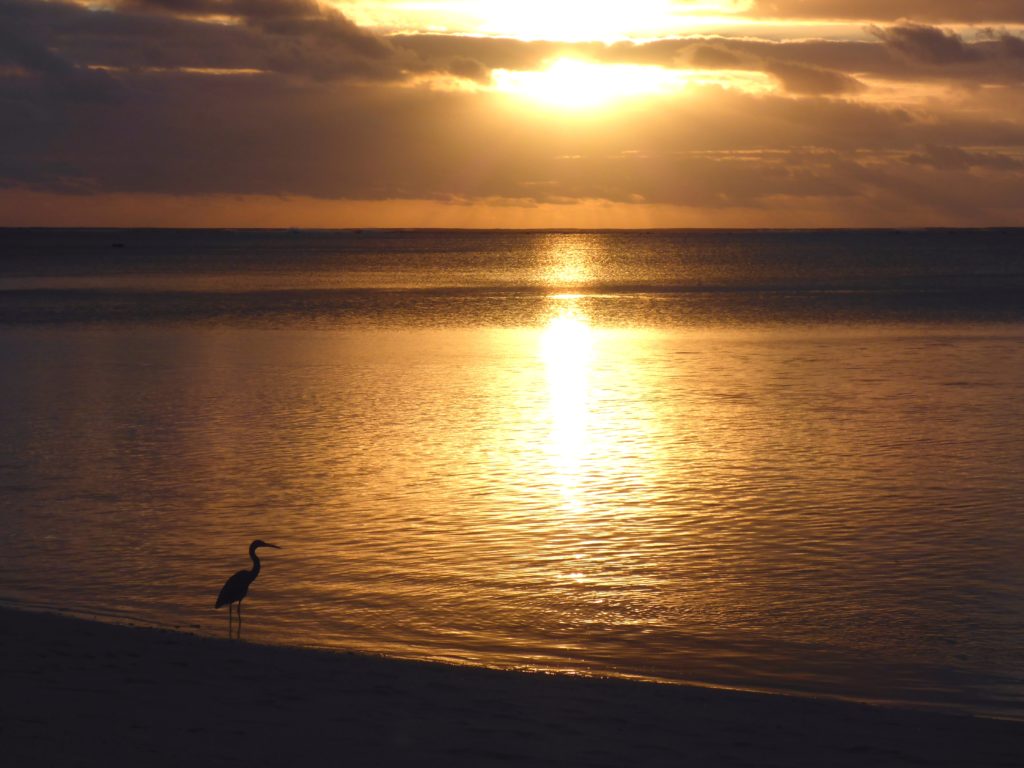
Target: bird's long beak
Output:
[{"x": 271, "y": 545}]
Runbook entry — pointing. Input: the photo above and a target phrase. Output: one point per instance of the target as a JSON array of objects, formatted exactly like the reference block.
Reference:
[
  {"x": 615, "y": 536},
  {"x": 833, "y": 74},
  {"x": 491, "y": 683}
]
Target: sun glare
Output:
[
  {"x": 573, "y": 20},
  {"x": 567, "y": 348},
  {"x": 559, "y": 20},
  {"x": 573, "y": 84}
]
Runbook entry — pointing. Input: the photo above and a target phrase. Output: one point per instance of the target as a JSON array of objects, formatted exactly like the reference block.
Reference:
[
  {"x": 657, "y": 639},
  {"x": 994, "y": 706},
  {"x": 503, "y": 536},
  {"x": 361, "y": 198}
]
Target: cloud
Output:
[
  {"x": 139, "y": 99},
  {"x": 906, "y": 52},
  {"x": 434, "y": 52},
  {"x": 291, "y": 37},
  {"x": 713, "y": 57},
  {"x": 929, "y": 45},
  {"x": 469, "y": 69},
  {"x": 302, "y": 39},
  {"x": 936, "y": 11},
  {"x": 265, "y": 135},
  {"x": 306, "y": 20},
  {"x": 24, "y": 45},
  {"x": 1012, "y": 47},
  {"x": 944, "y": 158},
  {"x": 802, "y": 79}
]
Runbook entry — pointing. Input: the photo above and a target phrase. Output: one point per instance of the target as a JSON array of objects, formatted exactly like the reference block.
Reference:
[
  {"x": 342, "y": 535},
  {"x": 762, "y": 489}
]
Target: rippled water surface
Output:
[{"x": 782, "y": 461}]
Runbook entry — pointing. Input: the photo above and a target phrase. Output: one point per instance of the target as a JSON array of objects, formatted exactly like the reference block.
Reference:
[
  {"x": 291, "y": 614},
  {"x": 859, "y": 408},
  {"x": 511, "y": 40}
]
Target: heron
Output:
[{"x": 237, "y": 587}]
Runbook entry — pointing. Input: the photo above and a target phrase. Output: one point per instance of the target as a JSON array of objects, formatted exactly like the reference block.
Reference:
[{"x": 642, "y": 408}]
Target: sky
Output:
[{"x": 531, "y": 113}]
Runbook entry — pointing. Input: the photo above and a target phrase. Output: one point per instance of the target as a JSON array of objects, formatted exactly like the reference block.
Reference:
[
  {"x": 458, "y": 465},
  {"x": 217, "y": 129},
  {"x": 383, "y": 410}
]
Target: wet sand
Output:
[{"x": 84, "y": 693}]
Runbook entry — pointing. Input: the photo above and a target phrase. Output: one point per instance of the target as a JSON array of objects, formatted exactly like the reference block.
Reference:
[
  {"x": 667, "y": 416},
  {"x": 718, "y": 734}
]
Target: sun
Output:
[{"x": 574, "y": 84}]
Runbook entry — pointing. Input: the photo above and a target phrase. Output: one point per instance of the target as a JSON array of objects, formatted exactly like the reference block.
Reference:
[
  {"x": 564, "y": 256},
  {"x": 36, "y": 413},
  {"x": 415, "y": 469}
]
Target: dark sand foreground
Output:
[{"x": 83, "y": 693}]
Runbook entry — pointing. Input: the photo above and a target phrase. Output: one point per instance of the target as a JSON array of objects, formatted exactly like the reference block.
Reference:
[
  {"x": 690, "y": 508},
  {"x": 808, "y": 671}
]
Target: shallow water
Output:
[{"x": 614, "y": 479}]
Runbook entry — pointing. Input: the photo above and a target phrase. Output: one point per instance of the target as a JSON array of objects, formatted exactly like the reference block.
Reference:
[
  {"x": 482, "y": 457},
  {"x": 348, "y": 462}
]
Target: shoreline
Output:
[
  {"x": 79, "y": 692},
  {"x": 955, "y": 708}
]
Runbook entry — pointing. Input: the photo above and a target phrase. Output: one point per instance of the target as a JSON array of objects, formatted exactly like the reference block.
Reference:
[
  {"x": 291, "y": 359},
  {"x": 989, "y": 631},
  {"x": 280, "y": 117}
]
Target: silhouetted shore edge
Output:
[{"x": 79, "y": 692}]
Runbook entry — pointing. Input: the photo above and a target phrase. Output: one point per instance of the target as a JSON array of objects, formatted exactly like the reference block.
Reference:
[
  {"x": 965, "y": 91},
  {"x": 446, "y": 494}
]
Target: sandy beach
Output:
[{"x": 86, "y": 693}]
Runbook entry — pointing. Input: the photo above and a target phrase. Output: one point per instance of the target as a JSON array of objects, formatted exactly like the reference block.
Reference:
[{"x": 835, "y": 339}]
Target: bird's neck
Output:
[{"x": 255, "y": 563}]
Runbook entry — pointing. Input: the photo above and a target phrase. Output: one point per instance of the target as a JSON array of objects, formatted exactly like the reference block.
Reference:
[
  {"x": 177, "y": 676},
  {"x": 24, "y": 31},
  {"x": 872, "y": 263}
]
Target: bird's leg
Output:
[
  {"x": 230, "y": 623},
  {"x": 239, "y": 619}
]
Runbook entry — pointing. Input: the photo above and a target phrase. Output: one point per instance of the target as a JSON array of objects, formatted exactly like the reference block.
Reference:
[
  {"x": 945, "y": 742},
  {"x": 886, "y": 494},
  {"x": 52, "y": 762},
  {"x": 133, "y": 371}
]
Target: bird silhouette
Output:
[{"x": 237, "y": 587}]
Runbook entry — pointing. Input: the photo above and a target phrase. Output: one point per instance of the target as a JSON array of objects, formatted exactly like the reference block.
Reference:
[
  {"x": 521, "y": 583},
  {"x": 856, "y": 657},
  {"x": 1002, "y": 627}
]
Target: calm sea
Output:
[{"x": 785, "y": 461}]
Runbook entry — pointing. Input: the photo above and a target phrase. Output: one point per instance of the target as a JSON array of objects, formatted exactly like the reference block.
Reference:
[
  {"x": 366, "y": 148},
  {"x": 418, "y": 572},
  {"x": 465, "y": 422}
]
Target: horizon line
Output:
[{"x": 545, "y": 230}]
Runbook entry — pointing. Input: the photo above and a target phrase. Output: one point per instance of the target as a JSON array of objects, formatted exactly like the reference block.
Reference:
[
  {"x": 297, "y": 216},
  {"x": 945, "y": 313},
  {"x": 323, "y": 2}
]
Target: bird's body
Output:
[{"x": 237, "y": 586}]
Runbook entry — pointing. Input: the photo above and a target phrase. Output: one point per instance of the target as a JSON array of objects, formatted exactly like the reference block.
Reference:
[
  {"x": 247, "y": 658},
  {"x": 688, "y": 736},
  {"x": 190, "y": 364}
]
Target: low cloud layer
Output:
[
  {"x": 934, "y": 11},
  {"x": 292, "y": 99}
]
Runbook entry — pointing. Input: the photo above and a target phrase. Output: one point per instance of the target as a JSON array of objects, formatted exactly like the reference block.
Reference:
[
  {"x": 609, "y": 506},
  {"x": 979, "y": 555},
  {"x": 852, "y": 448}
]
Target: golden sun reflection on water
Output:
[
  {"x": 568, "y": 263},
  {"x": 567, "y": 350}
]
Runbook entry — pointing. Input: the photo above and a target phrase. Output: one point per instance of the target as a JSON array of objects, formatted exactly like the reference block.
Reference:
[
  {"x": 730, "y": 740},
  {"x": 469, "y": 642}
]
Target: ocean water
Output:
[{"x": 784, "y": 461}]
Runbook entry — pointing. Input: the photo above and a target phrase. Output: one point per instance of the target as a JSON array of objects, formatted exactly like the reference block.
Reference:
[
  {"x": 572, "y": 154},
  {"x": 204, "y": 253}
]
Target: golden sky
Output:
[{"x": 534, "y": 113}]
